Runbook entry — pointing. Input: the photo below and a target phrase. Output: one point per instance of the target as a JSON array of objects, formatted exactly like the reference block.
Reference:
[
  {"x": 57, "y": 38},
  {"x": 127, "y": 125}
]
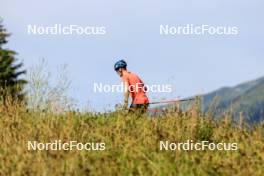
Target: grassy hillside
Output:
[
  {"x": 251, "y": 103},
  {"x": 132, "y": 144},
  {"x": 246, "y": 98}
]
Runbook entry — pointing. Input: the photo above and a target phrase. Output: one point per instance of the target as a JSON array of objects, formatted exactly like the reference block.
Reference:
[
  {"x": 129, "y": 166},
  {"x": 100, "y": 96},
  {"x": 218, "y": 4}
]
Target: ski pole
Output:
[{"x": 172, "y": 101}]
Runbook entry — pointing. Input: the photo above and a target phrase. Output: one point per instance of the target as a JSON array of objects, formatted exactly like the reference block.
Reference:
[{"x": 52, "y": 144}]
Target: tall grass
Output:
[{"x": 132, "y": 144}]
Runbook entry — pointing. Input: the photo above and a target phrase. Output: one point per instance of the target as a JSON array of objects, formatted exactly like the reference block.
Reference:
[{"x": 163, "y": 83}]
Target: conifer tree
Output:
[{"x": 10, "y": 83}]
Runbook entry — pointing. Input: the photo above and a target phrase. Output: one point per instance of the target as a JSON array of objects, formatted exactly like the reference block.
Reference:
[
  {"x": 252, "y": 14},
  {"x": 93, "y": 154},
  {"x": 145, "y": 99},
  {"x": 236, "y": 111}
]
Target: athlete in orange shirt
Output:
[{"x": 133, "y": 86}]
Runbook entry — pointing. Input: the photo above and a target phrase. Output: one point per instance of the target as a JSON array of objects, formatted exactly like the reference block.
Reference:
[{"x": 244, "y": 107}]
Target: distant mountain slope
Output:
[{"x": 246, "y": 98}]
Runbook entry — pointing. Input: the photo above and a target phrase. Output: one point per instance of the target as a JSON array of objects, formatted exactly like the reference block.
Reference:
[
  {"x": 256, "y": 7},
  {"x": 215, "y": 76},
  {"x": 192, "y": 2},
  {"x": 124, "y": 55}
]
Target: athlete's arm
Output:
[
  {"x": 145, "y": 89},
  {"x": 126, "y": 94}
]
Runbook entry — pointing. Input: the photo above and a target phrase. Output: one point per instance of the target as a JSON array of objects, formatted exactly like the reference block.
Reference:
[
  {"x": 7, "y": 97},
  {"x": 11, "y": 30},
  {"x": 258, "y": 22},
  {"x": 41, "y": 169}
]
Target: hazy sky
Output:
[{"x": 192, "y": 64}]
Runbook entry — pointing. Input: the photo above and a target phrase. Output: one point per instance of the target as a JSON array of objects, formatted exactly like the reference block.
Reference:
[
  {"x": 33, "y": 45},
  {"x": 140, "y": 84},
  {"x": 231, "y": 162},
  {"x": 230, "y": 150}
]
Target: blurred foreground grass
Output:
[{"x": 132, "y": 145}]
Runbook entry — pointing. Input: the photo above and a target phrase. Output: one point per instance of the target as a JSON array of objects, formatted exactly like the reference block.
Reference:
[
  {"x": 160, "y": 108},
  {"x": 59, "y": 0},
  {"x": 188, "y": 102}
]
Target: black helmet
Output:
[{"x": 120, "y": 64}]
